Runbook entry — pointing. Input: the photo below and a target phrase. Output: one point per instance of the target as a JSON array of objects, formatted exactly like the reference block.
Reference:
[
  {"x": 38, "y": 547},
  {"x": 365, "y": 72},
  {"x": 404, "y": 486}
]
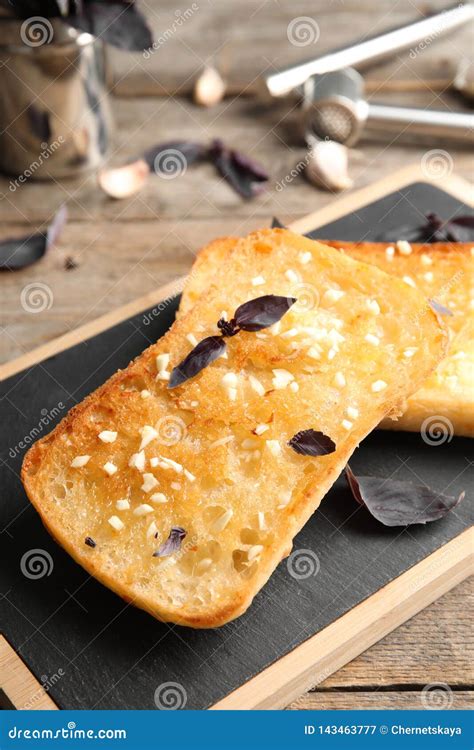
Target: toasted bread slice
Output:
[
  {"x": 444, "y": 271},
  {"x": 218, "y": 464}
]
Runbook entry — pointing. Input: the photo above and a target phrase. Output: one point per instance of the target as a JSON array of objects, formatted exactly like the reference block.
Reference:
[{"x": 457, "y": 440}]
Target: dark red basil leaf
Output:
[
  {"x": 397, "y": 503},
  {"x": 20, "y": 252},
  {"x": 262, "y": 312},
  {"x": 172, "y": 544},
  {"x": 118, "y": 24},
  {"x": 439, "y": 308},
  {"x": 243, "y": 174},
  {"x": 200, "y": 357},
  {"x": 90, "y": 542},
  {"x": 435, "y": 229},
  {"x": 312, "y": 443},
  {"x": 185, "y": 153},
  {"x": 276, "y": 224},
  {"x": 464, "y": 221}
]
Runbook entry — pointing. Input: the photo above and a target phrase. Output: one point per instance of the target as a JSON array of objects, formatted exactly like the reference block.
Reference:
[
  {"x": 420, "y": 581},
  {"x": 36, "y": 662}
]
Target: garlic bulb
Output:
[
  {"x": 124, "y": 181},
  {"x": 209, "y": 88},
  {"x": 327, "y": 165}
]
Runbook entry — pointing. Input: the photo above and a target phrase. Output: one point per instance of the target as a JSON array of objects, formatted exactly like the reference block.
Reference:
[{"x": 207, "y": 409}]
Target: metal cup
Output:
[{"x": 54, "y": 115}]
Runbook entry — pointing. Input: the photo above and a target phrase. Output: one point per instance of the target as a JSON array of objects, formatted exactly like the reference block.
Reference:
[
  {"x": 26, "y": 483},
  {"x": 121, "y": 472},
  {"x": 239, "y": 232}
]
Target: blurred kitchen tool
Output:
[
  {"x": 464, "y": 79},
  {"x": 334, "y": 109},
  {"x": 54, "y": 118},
  {"x": 369, "y": 50}
]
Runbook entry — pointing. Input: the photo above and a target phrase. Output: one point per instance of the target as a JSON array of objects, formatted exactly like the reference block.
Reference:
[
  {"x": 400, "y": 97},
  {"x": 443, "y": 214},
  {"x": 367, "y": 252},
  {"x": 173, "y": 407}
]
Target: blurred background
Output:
[{"x": 111, "y": 251}]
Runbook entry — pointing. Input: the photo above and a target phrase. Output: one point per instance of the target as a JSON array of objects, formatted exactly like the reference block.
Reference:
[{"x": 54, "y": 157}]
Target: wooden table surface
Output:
[{"x": 124, "y": 249}]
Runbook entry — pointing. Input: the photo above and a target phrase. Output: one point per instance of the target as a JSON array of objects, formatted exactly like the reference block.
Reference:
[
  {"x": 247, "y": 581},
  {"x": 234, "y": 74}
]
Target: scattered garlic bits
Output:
[
  {"x": 281, "y": 378},
  {"x": 108, "y": 436},
  {"x": 116, "y": 523},
  {"x": 143, "y": 510},
  {"x": 147, "y": 434},
  {"x": 79, "y": 461},
  {"x": 137, "y": 461},
  {"x": 378, "y": 385},
  {"x": 209, "y": 88},
  {"x": 149, "y": 482},
  {"x": 162, "y": 362},
  {"x": 404, "y": 247},
  {"x": 110, "y": 468}
]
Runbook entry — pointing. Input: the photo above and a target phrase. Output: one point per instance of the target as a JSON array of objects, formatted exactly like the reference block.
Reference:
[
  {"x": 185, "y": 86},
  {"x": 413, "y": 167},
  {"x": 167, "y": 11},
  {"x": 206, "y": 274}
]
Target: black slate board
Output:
[{"x": 114, "y": 656}]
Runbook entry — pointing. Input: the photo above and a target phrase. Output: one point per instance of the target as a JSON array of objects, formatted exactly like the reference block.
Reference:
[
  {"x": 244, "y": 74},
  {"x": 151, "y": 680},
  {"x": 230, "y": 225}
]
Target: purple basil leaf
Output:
[
  {"x": 118, "y": 24},
  {"x": 464, "y": 221},
  {"x": 245, "y": 175},
  {"x": 175, "y": 156},
  {"x": 276, "y": 224},
  {"x": 200, "y": 357},
  {"x": 262, "y": 312},
  {"x": 439, "y": 308},
  {"x": 18, "y": 252},
  {"x": 398, "y": 503},
  {"x": 312, "y": 443},
  {"x": 172, "y": 544}
]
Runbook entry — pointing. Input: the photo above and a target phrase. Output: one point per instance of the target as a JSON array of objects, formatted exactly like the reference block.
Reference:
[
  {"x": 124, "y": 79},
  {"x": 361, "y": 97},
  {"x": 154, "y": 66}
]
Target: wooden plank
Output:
[
  {"x": 245, "y": 37},
  {"x": 377, "y": 700},
  {"x": 364, "y": 625},
  {"x": 435, "y": 646},
  {"x": 19, "y": 685}
]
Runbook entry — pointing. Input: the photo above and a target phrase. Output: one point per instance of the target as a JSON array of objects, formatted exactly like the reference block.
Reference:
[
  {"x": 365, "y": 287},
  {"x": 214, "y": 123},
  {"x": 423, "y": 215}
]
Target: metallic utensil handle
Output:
[
  {"x": 370, "y": 50},
  {"x": 425, "y": 122}
]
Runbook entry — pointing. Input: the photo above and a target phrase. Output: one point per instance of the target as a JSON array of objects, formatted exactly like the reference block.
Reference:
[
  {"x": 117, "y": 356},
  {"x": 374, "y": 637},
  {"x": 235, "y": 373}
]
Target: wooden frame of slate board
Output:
[{"x": 354, "y": 631}]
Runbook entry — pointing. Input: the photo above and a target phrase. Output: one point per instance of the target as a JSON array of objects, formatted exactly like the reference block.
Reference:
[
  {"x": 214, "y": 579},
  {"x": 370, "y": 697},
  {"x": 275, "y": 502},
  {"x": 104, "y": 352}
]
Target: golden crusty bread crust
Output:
[
  {"x": 243, "y": 496},
  {"x": 443, "y": 271}
]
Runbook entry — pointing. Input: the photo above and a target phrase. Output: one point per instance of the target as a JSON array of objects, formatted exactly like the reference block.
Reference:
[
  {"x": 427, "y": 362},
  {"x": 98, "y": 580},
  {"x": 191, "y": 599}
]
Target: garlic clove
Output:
[
  {"x": 124, "y": 181},
  {"x": 327, "y": 166},
  {"x": 209, "y": 88}
]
